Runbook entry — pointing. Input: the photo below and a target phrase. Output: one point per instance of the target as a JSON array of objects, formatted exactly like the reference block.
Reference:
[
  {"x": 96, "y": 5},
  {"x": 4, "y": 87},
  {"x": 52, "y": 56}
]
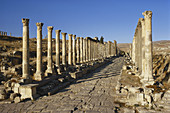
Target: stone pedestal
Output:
[
  {"x": 50, "y": 69},
  {"x": 25, "y": 55},
  {"x": 70, "y": 49},
  {"x": 39, "y": 73}
]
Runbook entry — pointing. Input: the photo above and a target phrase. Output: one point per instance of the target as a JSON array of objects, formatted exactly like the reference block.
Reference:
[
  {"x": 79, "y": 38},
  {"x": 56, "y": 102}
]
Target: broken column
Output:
[
  {"x": 70, "y": 49},
  {"x": 148, "y": 46},
  {"x": 50, "y": 69},
  {"x": 81, "y": 49},
  {"x": 39, "y": 73},
  {"x": 25, "y": 54},
  {"x": 74, "y": 49},
  {"x": 78, "y": 49},
  {"x": 57, "y": 48},
  {"x": 64, "y": 48}
]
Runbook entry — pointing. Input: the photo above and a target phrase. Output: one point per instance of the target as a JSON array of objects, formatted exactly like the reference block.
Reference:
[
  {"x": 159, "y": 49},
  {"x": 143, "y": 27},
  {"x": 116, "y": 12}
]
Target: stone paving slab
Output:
[{"x": 94, "y": 93}]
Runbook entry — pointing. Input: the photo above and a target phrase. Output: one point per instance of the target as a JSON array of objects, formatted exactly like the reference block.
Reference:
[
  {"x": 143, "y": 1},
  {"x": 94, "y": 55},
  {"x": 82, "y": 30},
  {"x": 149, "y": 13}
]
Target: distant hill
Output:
[{"x": 159, "y": 47}]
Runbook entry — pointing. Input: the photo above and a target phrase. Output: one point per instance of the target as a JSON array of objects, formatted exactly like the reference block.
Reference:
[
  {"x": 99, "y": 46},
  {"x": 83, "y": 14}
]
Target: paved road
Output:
[{"x": 92, "y": 94}]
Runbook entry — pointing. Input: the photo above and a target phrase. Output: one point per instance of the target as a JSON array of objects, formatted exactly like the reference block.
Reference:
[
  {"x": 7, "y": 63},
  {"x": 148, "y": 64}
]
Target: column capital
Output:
[
  {"x": 57, "y": 31},
  {"x": 81, "y": 37},
  {"x": 50, "y": 28},
  {"x": 39, "y": 24},
  {"x": 147, "y": 14},
  {"x": 63, "y": 33},
  {"x": 74, "y": 36},
  {"x": 78, "y": 38},
  {"x": 70, "y": 35},
  {"x": 25, "y": 21}
]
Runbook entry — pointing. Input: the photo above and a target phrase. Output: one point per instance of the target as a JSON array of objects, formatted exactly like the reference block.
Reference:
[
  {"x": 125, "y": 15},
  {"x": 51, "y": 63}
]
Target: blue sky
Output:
[{"x": 112, "y": 19}]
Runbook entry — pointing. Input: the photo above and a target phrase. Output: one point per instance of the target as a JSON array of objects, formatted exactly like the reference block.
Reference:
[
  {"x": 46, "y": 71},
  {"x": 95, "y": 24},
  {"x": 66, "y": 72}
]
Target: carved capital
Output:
[
  {"x": 70, "y": 35},
  {"x": 57, "y": 31},
  {"x": 81, "y": 38},
  {"x": 39, "y": 25},
  {"x": 25, "y": 21},
  {"x": 74, "y": 36},
  {"x": 78, "y": 38},
  {"x": 147, "y": 14},
  {"x": 50, "y": 28},
  {"x": 64, "y": 34}
]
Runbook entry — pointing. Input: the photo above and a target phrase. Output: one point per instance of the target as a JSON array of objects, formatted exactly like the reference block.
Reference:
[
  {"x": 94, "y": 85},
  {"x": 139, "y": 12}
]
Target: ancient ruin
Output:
[{"x": 82, "y": 73}]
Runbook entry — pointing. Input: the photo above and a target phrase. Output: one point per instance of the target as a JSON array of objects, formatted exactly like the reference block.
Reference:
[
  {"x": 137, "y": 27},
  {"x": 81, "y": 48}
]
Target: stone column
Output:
[
  {"x": 57, "y": 48},
  {"x": 84, "y": 50},
  {"x": 64, "y": 48},
  {"x": 143, "y": 47},
  {"x": 74, "y": 49},
  {"x": 50, "y": 69},
  {"x": 115, "y": 45},
  {"x": 25, "y": 53},
  {"x": 86, "y": 40},
  {"x": 134, "y": 49},
  {"x": 81, "y": 49},
  {"x": 70, "y": 49},
  {"x": 92, "y": 50},
  {"x": 39, "y": 73},
  {"x": 109, "y": 48},
  {"x": 130, "y": 50},
  {"x": 148, "y": 47},
  {"x": 89, "y": 50},
  {"x": 78, "y": 49}
]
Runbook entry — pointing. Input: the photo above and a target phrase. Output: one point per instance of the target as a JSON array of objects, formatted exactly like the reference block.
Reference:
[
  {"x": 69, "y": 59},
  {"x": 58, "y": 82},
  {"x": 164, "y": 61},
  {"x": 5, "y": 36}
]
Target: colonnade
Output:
[
  {"x": 3, "y": 33},
  {"x": 80, "y": 50},
  {"x": 141, "y": 50}
]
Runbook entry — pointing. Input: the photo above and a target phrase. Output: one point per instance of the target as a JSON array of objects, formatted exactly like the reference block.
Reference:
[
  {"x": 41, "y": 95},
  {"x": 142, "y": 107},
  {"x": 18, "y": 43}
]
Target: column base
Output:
[
  {"x": 49, "y": 72},
  {"x": 38, "y": 76},
  {"x": 147, "y": 82}
]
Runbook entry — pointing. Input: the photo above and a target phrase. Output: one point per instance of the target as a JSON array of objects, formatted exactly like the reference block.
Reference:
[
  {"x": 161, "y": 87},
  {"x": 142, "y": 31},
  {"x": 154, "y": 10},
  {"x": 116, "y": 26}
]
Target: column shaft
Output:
[
  {"x": 64, "y": 48},
  {"x": 49, "y": 54},
  {"x": 39, "y": 73},
  {"x": 70, "y": 49},
  {"x": 81, "y": 49},
  {"x": 148, "y": 46},
  {"x": 25, "y": 56},
  {"x": 74, "y": 49},
  {"x": 78, "y": 49}
]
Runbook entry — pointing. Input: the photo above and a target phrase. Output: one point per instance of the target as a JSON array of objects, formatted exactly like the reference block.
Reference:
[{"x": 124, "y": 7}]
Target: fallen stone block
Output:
[
  {"x": 28, "y": 91},
  {"x": 76, "y": 75}
]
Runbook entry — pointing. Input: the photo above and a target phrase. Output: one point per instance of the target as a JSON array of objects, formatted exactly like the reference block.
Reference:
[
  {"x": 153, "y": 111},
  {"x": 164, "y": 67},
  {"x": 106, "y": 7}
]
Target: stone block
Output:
[
  {"x": 28, "y": 91},
  {"x": 17, "y": 100},
  {"x": 76, "y": 75}
]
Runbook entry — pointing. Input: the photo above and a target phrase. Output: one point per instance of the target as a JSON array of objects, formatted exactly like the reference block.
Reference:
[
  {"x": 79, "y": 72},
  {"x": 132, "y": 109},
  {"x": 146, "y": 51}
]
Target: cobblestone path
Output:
[{"x": 91, "y": 94}]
